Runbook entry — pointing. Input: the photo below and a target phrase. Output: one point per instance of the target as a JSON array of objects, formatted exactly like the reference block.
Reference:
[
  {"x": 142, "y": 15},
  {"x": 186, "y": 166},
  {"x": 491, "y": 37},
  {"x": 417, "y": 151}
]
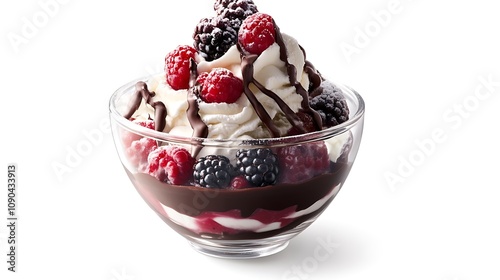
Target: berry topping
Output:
[
  {"x": 302, "y": 162},
  {"x": 138, "y": 152},
  {"x": 213, "y": 171},
  {"x": 170, "y": 164},
  {"x": 257, "y": 33},
  {"x": 330, "y": 103},
  {"x": 235, "y": 10},
  {"x": 201, "y": 78},
  {"x": 307, "y": 124},
  {"x": 213, "y": 37},
  {"x": 239, "y": 182},
  {"x": 177, "y": 67},
  {"x": 220, "y": 85},
  {"x": 128, "y": 137},
  {"x": 259, "y": 166}
]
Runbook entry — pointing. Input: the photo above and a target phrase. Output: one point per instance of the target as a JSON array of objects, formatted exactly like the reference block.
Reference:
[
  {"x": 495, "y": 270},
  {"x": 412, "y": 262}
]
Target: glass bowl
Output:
[{"x": 254, "y": 221}]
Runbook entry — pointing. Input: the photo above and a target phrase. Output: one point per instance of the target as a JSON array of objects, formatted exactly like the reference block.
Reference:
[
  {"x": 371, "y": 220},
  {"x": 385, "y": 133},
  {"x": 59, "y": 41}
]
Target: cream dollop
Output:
[{"x": 236, "y": 120}]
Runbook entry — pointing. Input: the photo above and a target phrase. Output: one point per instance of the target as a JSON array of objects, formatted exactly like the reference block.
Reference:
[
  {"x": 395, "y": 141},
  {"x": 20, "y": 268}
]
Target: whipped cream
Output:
[
  {"x": 237, "y": 120},
  {"x": 335, "y": 145}
]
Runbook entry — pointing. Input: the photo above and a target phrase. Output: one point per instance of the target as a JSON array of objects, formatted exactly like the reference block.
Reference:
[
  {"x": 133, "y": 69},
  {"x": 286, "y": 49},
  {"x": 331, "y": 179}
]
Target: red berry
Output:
[
  {"x": 170, "y": 164},
  {"x": 302, "y": 162},
  {"x": 138, "y": 151},
  {"x": 201, "y": 78},
  {"x": 206, "y": 223},
  {"x": 307, "y": 124},
  {"x": 137, "y": 148},
  {"x": 257, "y": 33},
  {"x": 128, "y": 137},
  {"x": 147, "y": 123},
  {"x": 221, "y": 86},
  {"x": 177, "y": 66},
  {"x": 239, "y": 182}
]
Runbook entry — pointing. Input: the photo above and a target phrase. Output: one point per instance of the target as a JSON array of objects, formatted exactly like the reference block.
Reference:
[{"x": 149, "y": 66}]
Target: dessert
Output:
[{"x": 241, "y": 106}]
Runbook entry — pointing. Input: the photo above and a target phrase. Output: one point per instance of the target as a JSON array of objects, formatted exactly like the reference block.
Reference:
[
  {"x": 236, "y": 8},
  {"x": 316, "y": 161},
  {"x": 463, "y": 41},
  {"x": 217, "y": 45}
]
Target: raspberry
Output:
[
  {"x": 138, "y": 152},
  {"x": 177, "y": 67},
  {"x": 235, "y": 10},
  {"x": 302, "y": 162},
  {"x": 201, "y": 78},
  {"x": 257, "y": 33},
  {"x": 220, "y": 85},
  {"x": 259, "y": 166},
  {"x": 213, "y": 37},
  {"x": 206, "y": 223},
  {"x": 238, "y": 183},
  {"x": 307, "y": 124},
  {"x": 128, "y": 137},
  {"x": 213, "y": 172},
  {"x": 170, "y": 164},
  {"x": 329, "y": 102}
]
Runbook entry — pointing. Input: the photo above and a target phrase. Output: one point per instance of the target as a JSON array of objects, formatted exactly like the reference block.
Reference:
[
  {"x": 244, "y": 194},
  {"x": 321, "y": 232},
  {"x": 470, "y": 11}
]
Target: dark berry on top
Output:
[
  {"x": 235, "y": 10},
  {"x": 259, "y": 166},
  {"x": 330, "y": 103},
  {"x": 213, "y": 37},
  {"x": 213, "y": 171}
]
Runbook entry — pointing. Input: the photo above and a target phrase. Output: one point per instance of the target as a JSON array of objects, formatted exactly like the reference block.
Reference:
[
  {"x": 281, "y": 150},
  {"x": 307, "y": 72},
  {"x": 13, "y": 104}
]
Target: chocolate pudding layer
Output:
[{"x": 194, "y": 201}]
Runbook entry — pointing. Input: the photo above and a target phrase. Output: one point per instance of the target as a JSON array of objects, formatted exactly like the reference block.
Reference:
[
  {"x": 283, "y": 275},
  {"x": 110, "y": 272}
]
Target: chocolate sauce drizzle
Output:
[
  {"x": 315, "y": 78},
  {"x": 142, "y": 92},
  {"x": 200, "y": 129},
  {"x": 292, "y": 75},
  {"x": 247, "y": 73}
]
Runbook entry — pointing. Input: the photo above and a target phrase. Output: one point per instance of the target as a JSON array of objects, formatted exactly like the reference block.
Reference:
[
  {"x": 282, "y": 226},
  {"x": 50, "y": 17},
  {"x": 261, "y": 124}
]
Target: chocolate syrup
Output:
[
  {"x": 193, "y": 200},
  {"x": 315, "y": 78},
  {"x": 200, "y": 129},
  {"x": 142, "y": 92},
  {"x": 247, "y": 73},
  {"x": 292, "y": 75},
  {"x": 247, "y": 62}
]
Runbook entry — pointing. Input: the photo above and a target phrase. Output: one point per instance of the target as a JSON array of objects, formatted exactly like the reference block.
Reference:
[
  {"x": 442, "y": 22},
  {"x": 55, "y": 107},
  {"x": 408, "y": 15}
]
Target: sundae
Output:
[{"x": 231, "y": 141}]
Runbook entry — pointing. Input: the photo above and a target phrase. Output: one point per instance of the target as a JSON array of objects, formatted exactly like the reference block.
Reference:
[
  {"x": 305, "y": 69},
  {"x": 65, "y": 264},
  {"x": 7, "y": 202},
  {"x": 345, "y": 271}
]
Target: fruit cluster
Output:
[
  {"x": 237, "y": 22},
  {"x": 214, "y": 36},
  {"x": 257, "y": 167}
]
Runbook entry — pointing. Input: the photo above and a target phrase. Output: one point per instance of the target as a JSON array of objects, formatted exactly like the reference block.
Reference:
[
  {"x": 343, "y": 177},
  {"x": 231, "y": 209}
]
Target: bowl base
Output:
[{"x": 240, "y": 250}]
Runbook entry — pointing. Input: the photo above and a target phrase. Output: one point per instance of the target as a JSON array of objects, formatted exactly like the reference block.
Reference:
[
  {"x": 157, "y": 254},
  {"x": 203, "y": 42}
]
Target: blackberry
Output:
[
  {"x": 330, "y": 103},
  {"x": 235, "y": 10},
  {"x": 213, "y": 171},
  {"x": 213, "y": 37},
  {"x": 259, "y": 166}
]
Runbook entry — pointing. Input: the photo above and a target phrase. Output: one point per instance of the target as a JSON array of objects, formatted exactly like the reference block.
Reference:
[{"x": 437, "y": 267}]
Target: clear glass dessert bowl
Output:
[{"x": 241, "y": 221}]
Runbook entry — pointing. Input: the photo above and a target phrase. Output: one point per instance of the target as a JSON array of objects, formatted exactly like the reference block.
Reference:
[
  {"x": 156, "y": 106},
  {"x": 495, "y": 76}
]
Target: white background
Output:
[{"x": 415, "y": 69}]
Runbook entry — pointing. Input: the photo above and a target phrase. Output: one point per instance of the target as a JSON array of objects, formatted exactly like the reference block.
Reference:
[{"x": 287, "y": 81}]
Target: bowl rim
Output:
[{"x": 349, "y": 92}]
